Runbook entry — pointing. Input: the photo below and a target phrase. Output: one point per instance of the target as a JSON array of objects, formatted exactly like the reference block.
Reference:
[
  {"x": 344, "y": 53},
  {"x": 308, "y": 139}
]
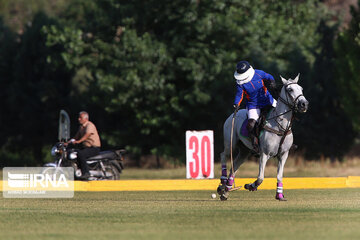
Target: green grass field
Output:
[{"x": 309, "y": 214}]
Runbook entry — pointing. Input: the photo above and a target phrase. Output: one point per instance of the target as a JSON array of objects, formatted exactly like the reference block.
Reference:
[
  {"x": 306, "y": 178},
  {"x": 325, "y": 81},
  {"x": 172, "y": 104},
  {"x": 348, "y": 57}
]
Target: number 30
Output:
[{"x": 205, "y": 154}]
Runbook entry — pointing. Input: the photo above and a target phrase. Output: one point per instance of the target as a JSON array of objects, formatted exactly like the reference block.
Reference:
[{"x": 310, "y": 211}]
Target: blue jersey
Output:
[{"x": 255, "y": 91}]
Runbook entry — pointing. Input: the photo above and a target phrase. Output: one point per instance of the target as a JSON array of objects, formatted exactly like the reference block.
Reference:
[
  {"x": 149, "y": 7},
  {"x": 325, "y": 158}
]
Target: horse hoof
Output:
[
  {"x": 221, "y": 190},
  {"x": 282, "y": 198},
  {"x": 250, "y": 187},
  {"x": 223, "y": 198}
]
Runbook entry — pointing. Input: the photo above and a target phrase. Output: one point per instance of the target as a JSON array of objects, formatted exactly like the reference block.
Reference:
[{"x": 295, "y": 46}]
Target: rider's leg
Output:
[
  {"x": 253, "y": 115},
  {"x": 83, "y": 154},
  {"x": 82, "y": 162}
]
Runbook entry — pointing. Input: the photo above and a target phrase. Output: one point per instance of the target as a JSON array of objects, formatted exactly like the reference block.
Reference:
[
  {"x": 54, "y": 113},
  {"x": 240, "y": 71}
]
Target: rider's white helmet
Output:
[{"x": 244, "y": 72}]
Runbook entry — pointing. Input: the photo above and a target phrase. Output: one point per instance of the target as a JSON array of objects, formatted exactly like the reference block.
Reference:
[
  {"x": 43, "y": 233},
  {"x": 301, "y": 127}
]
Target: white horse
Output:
[{"x": 275, "y": 138}]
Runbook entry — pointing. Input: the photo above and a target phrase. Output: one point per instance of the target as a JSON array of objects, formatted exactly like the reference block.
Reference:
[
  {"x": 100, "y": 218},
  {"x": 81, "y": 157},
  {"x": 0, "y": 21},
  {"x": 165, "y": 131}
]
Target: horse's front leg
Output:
[
  {"x": 262, "y": 163},
  {"x": 279, "y": 190}
]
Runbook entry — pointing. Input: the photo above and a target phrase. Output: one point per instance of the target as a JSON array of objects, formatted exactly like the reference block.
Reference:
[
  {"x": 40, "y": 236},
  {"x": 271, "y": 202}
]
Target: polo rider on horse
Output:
[{"x": 250, "y": 84}]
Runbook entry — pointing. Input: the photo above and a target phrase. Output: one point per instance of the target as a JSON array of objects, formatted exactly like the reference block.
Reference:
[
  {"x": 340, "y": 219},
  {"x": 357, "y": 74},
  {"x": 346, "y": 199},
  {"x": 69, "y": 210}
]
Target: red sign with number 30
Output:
[{"x": 199, "y": 154}]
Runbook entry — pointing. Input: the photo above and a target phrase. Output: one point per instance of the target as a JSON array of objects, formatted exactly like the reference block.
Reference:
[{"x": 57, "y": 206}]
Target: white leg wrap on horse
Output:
[
  {"x": 279, "y": 188},
  {"x": 223, "y": 177},
  {"x": 230, "y": 182}
]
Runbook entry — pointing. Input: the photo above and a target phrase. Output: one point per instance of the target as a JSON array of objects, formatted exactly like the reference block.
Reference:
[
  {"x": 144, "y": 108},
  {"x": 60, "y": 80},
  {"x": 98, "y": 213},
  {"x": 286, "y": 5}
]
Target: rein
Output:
[{"x": 286, "y": 102}]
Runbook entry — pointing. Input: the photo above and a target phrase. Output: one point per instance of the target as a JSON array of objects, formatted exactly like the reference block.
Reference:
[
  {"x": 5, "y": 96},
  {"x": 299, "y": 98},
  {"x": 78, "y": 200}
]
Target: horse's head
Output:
[{"x": 292, "y": 95}]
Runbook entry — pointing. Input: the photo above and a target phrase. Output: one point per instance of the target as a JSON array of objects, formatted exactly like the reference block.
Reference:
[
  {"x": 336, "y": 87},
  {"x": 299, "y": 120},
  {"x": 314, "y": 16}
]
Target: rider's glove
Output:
[
  {"x": 272, "y": 85},
  {"x": 236, "y": 107}
]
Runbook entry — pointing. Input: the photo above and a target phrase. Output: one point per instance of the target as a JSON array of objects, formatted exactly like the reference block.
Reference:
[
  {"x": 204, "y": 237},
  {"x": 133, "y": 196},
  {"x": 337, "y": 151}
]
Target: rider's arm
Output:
[
  {"x": 77, "y": 135},
  {"x": 269, "y": 79},
  {"x": 86, "y": 136},
  {"x": 73, "y": 140},
  {"x": 239, "y": 95}
]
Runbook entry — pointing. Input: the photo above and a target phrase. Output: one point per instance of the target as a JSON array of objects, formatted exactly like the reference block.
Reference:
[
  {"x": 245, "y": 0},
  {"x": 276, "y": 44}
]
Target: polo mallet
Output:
[{"x": 231, "y": 146}]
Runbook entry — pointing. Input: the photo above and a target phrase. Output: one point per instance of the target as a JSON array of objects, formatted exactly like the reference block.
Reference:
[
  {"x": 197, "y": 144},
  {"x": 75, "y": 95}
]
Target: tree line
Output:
[{"x": 147, "y": 72}]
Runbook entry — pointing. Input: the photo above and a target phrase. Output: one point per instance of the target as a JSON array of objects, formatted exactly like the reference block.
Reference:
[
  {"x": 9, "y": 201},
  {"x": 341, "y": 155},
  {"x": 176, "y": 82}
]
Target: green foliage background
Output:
[{"x": 147, "y": 71}]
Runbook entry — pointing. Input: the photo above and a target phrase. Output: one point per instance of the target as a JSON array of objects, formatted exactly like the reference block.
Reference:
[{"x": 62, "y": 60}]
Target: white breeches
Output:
[{"x": 255, "y": 112}]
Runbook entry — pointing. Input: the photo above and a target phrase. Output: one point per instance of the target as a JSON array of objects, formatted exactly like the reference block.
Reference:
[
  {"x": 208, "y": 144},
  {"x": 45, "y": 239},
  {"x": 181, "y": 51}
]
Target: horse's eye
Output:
[{"x": 290, "y": 90}]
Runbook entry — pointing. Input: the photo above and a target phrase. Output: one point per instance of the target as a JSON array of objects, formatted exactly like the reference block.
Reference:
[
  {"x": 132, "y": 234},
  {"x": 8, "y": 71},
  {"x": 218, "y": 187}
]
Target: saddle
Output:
[{"x": 259, "y": 124}]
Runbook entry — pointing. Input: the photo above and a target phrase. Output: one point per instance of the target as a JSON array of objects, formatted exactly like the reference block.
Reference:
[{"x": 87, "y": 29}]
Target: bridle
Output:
[
  {"x": 294, "y": 101},
  {"x": 283, "y": 132},
  {"x": 292, "y": 105}
]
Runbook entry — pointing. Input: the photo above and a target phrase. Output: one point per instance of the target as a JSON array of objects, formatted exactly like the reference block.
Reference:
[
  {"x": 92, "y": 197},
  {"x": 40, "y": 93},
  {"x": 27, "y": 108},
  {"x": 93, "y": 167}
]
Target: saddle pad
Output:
[{"x": 243, "y": 130}]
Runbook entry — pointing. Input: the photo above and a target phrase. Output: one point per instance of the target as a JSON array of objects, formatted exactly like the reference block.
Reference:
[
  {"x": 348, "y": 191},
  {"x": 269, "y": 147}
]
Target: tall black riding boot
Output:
[{"x": 251, "y": 129}]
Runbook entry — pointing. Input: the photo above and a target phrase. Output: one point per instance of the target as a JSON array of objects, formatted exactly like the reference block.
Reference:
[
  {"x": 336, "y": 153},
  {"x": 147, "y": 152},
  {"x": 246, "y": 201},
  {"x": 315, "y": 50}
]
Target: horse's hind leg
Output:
[
  {"x": 238, "y": 161},
  {"x": 224, "y": 189},
  {"x": 279, "y": 188},
  {"x": 223, "y": 179},
  {"x": 226, "y": 186},
  {"x": 223, "y": 158}
]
